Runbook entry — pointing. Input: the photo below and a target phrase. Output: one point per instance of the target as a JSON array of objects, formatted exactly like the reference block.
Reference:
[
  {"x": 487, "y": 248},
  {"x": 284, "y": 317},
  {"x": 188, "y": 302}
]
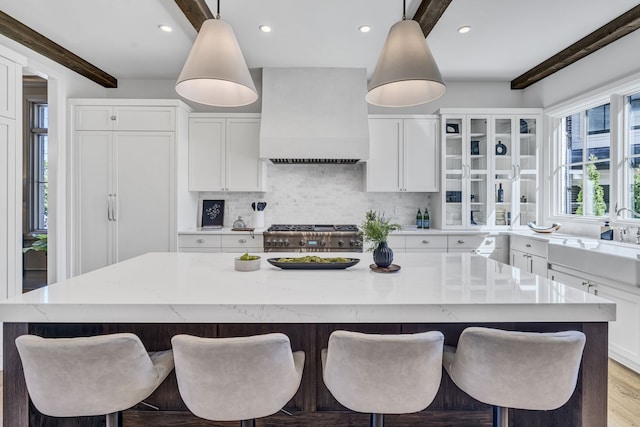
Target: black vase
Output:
[{"x": 383, "y": 255}]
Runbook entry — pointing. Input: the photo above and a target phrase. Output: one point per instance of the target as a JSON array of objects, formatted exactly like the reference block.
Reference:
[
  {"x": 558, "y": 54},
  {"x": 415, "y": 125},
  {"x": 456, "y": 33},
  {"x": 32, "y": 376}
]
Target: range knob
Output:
[
  {"x": 340, "y": 243},
  {"x": 286, "y": 242},
  {"x": 280, "y": 242},
  {"x": 353, "y": 243},
  {"x": 267, "y": 242},
  {"x": 323, "y": 243},
  {"x": 302, "y": 243}
]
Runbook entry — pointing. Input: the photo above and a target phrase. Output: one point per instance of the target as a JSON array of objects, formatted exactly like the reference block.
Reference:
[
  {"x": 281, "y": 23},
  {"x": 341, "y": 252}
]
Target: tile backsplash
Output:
[{"x": 320, "y": 194}]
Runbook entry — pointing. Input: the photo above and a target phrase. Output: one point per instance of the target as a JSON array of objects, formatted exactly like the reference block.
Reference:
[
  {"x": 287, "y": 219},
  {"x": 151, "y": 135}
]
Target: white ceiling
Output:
[{"x": 508, "y": 37}]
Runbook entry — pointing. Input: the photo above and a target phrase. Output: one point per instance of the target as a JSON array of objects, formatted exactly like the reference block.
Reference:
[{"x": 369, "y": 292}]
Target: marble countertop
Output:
[{"x": 204, "y": 287}]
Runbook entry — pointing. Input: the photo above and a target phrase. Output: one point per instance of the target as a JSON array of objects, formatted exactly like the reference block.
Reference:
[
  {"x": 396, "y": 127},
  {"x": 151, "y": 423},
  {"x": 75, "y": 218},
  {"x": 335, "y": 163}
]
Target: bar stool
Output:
[
  {"x": 521, "y": 370},
  {"x": 236, "y": 379},
  {"x": 383, "y": 374},
  {"x": 89, "y": 376}
]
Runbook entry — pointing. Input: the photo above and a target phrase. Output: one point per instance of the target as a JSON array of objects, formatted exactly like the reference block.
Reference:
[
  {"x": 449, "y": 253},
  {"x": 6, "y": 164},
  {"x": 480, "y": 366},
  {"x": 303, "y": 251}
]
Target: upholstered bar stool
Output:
[
  {"x": 89, "y": 376},
  {"x": 236, "y": 379},
  {"x": 521, "y": 370},
  {"x": 383, "y": 374}
]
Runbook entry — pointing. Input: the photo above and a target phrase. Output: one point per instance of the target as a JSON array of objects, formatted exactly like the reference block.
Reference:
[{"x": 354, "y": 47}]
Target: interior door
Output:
[{"x": 144, "y": 193}]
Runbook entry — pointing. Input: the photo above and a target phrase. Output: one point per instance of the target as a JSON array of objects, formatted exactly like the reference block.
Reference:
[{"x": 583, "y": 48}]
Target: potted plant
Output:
[
  {"x": 376, "y": 229},
  {"x": 39, "y": 245}
]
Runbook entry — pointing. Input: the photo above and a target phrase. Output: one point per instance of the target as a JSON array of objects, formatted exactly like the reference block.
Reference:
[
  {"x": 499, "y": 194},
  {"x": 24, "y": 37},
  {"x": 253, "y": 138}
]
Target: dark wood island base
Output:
[{"x": 313, "y": 405}]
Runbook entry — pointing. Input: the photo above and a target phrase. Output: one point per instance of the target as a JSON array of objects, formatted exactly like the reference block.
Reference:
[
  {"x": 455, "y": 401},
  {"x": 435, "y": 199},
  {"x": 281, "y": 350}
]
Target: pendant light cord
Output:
[
  {"x": 404, "y": 9},
  {"x": 218, "y": 16}
]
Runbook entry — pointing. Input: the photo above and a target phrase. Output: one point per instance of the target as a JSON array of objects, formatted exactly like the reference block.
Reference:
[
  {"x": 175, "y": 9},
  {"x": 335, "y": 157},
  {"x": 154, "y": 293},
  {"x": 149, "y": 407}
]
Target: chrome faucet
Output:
[{"x": 626, "y": 209}]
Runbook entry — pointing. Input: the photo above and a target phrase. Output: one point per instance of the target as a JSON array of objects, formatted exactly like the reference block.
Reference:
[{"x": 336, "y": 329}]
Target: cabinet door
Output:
[
  {"x": 568, "y": 279},
  {"x": 94, "y": 117},
  {"x": 476, "y": 149},
  {"x": 144, "y": 118},
  {"x": 526, "y": 167},
  {"x": 384, "y": 171},
  {"x": 7, "y": 137},
  {"x": 7, "y": 88},
  {"x": 455, "y": 168},
  {"x": 93, "y": 174},
  {"x": 206, "y": 154},
  {"x": 145, "y": 194},
  {"x": 538, "y": 265},
  {"x": 243, "y": 165},
  {"x": 502, "y": 152},
  {"x": 624, "y": 332},
  {"x": 421, "y": 159},
  {"x": 520, "y": 260}
]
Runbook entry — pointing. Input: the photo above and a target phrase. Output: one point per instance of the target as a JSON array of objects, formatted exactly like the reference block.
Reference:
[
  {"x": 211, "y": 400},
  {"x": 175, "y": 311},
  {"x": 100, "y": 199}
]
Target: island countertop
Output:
[{"x": 204, "y": 287}]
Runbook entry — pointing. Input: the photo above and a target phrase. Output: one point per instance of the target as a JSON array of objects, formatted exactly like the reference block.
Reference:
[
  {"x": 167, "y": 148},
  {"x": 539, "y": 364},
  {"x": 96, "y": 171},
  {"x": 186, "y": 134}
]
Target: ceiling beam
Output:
[
  {"x": 35, "y": 41},
  {"x": 608, "y": 33},
  {"x": 196, "y": 11},
  {"x": 428, "y": 14}
]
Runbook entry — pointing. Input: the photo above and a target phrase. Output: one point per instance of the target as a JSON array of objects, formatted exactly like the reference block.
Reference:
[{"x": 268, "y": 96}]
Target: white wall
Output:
[
  {"x": 602, "y": 67},
  {"x": 319, "y": 194}
]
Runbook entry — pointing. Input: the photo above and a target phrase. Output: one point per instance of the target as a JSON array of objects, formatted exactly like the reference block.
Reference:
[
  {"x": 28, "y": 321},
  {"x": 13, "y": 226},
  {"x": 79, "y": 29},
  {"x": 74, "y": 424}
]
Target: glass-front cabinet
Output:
[{"x": 490, "y": 161}]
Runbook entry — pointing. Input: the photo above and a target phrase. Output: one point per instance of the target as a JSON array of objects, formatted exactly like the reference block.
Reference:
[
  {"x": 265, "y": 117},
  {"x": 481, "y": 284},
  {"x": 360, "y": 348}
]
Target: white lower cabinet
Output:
[
  {"x": 489, "y": 246},
  {"x": 624, "y": 332},
  {"x": 199, "y": 242},
  {"x": 232, "y": 242},
  {"x": 529, "y": 255}
]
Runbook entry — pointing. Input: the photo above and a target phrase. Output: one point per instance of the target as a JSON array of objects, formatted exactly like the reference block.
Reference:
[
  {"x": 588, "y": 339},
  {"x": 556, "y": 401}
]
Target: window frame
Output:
[
  {"x": 615, "y": 94},
  {"x": 34, "y": 162}
]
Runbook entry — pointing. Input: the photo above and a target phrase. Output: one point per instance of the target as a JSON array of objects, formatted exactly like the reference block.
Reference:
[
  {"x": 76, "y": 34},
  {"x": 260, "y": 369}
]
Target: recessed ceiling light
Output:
[
  {"x": 165, "y": 28},
  {"x": 464, "y": 29},
  {"x": 265, "y": 28},
  {"x": 364, "y": 28}
]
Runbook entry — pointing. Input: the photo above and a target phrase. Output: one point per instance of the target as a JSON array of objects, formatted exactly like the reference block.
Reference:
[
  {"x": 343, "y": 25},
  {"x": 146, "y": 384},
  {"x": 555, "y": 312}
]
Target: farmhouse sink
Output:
[{"x": 609, "y": 260}]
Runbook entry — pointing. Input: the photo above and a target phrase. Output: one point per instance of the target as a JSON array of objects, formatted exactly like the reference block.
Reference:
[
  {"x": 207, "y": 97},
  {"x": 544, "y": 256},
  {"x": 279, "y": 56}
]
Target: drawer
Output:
[
  {"x": 427, "y": 242},
  {"x": 529, "y": 246},
  {"x": 198, "y": 241},
  {"x": 241, "y": 241},
  {"x": 396, "y": 242},
  {"x": 479, "y": 242},
  {"x": 199, "y": 250}
]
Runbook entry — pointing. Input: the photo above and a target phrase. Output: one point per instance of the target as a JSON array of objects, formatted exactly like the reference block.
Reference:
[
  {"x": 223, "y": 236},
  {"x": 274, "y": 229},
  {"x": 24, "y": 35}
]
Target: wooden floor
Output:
[{"x": 624, "y": 396}]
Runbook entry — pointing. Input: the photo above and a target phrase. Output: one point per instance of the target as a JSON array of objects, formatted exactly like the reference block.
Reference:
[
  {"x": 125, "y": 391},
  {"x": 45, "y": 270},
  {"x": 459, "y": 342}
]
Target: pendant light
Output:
[
  {"x": 406, "y": 73},
  {"x": 215, "y": 72}
]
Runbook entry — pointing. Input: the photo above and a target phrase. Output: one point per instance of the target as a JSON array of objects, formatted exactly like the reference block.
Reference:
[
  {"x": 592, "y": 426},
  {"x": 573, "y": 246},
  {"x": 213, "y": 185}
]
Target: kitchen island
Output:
[{"x": 158, "y": 295}]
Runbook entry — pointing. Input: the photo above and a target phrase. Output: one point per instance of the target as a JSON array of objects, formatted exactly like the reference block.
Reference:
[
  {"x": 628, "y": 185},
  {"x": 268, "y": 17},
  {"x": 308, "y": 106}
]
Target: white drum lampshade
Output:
[
  {"x": 215, "y": 72},
  {"x": 406, "y": 73}
]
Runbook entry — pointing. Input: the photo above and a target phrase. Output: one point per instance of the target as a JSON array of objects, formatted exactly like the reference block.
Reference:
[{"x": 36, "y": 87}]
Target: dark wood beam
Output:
[
  {"x": 196, "y": 11},
  {"x": 428, "y": 14},
  {"x": 35, "y": 41},
  {"x": 614, "y": 30}
]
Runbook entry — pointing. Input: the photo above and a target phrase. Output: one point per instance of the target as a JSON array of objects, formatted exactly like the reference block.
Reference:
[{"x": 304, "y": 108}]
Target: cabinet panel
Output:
[
  {"x": 147, "y": 118},
  {"x": 199, "y": 241},
  {"x": 94, "y": 117},
  {"x": 7, "y": 88},
  {"x": 93, "y": 158},
  {"x": 243, "y": 166},
  {"x": 531, "y": 246},
  {"x": 7, "y": 136},
  {"x": 241, "y": 241},
  {"x": 206, "y": 154},
  {"x": 144, "y": 190},
  {"x": 421, "y": 159},
  {"x": 427, "y": 242},
  {"x": 624, "y": 332},
  {"x": 383, "y": 166}
]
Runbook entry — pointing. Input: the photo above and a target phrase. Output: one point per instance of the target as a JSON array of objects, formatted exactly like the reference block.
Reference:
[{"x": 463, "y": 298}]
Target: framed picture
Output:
[
  {"x": 212, "y": 213},
  {"x": 453, "y": 128}
]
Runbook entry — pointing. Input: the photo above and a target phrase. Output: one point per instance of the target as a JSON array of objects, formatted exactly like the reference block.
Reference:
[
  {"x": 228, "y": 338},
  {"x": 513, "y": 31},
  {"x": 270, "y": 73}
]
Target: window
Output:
[
  {"x": 585, "y": 162},
  {"x": 39, "y": 122},
  {"x": 632, "y": 155}
]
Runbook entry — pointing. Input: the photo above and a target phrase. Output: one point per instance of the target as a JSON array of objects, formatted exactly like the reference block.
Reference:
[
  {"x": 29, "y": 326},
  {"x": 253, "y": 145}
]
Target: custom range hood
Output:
[{"x": 314, "y": 115}]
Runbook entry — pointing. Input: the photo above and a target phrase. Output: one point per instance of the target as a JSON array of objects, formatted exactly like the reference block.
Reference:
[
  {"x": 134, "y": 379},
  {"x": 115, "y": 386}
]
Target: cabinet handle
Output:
[
  {"x": 113, "y": 117},
  {"x": 200, "y": 240},
  {"x": 114, "y": 214},
  {"x": 109, "y": 208},
  {"x": 242, "y": 241},
  {"x": 461, "y": 241},
  {"x": 585, "y": 283},
  {"x": 528, "y": 245},
  {"x": 426, "y": 242}
]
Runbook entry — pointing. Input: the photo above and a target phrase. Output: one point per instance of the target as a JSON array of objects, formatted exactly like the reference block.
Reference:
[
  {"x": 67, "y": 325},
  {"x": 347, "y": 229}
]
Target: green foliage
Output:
[
  {"x": 39, "y": 245},
  {"x": 599, "y": 205},
  {"x": 636, "y": 191},
  {"x": 376, "y": 228}
]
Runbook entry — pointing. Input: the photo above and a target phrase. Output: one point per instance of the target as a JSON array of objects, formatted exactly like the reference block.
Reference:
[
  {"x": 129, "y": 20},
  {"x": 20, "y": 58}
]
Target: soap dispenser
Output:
[{"x": 606, "y": 232}]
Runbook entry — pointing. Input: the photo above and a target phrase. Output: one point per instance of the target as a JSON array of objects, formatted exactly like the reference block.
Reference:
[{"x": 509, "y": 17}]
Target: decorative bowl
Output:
[
  {"x": 544, "y": 229},
  {"x": 248, "y": 265}
]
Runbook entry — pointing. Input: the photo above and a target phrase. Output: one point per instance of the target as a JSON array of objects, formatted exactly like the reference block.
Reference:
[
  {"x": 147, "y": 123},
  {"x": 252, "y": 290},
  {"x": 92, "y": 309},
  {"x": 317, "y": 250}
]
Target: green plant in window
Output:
[
  {"x": 39, "y": 245},
  {"x": 636, "y": 190},
  {"x": 593, "y": 176}
]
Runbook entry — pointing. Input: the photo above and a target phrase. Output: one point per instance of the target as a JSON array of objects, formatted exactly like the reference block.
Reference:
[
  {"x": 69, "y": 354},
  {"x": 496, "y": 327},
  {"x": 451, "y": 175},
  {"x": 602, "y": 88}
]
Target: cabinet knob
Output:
[
  {"x": 461, "y": 241},
  {"x": 528, "y": 245},
  {"x": 200, "y": 240},
  {"x": 113, "y": 117},
  {"x": 426, "y": 242},
  {"x": 242, "y": 241}
]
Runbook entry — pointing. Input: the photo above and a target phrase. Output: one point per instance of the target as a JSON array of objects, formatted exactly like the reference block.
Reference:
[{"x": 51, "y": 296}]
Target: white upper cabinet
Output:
[
  {"x": 403, "y": 155},
  {"x": 224, "y": 154},
  {"x": 128, "y": 118}
]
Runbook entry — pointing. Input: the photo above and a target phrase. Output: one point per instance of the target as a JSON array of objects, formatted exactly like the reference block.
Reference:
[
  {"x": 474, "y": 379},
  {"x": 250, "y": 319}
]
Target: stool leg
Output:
[
  {"x": 500, "y": 416},
  {"x": 113, "y": 419},
  {"x": 248, "y": 423},
  {"x": 377, "y": 420}
]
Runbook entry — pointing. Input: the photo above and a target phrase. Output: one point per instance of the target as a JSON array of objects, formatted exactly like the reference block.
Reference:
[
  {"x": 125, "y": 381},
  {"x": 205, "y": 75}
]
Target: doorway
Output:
[{"x": 35, "y": 185}]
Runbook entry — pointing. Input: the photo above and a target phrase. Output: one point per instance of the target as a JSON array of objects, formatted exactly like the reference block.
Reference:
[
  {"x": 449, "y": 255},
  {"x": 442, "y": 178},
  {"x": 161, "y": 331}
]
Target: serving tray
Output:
[{"x": 313, "y": 265}]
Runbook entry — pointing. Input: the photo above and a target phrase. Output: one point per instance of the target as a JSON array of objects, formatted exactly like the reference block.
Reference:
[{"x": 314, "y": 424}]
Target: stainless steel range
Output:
[{"x": 312, "y": 238}]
